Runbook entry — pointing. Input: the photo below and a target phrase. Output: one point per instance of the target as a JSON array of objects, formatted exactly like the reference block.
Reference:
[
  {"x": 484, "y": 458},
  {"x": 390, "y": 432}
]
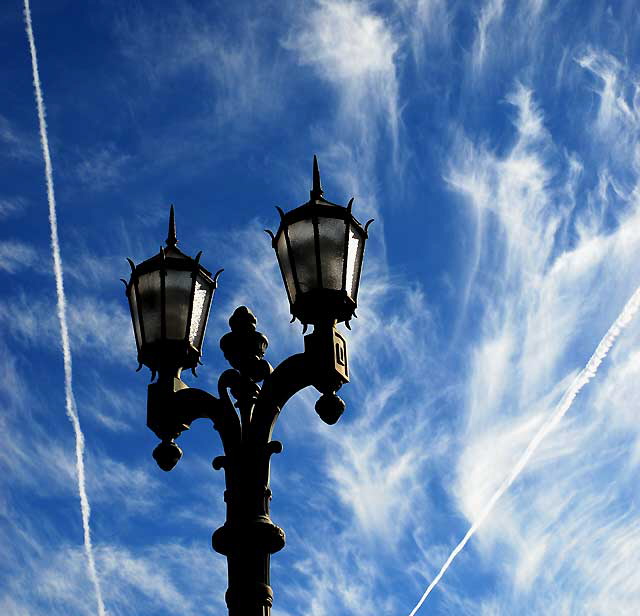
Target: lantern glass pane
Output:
[
  {"x": 304, "y": 254},
  {"x": 149, "y": 295},
  {"x": 133, "y": 304},
  {"x": 202, "y": 295},
  {"x": 355, "y": 247},
  {"x": 332, "y": 234},
  {"x": 177, "y": 289},
  {"x": 285, "y": 267}
]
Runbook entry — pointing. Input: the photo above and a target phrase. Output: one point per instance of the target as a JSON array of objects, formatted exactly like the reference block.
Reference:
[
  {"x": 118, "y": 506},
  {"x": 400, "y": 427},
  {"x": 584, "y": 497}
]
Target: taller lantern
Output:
[
  {"x": 320, "y": 246},
  {"x": 170, "y": 296}
]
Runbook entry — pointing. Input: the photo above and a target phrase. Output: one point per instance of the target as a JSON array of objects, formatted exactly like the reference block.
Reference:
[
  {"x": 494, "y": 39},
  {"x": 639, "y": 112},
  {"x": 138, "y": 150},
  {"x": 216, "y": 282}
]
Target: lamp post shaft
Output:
[{"x": 248, "y": 537}]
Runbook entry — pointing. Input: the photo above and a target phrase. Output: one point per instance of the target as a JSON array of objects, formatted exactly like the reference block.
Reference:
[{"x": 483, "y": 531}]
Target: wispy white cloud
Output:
[
  {"x": 347, "y": 43},
  {"x": 354, "y": 49},
  {"x": 490, "y": 14},
  {"x": 154, "y": 576},
  {"x": 102, "y": 168},
  {"x": 116, "y": 409},
  {"x": 96, "y": 327},
  {"x": 130, "y": 490},
  {"x": 535, "y": 557},
  {"x": 246, "y": 77},
  {"x": 429, "y": 25},
  {"x": 22, "y": 451},
  {"x": 323, "y": 586},
  {"x": 618, "y": 118},
  {"x": 516, "y": 35},
  {"x": 15, "y": 256},
  {"x": 11, "y": 206},
  {"x": 18, "y": 144},
  {"x": 556, "y": 271}
]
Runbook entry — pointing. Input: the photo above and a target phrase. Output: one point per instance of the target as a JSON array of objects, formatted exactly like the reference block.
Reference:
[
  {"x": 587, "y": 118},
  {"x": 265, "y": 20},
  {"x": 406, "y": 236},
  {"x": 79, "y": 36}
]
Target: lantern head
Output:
[
  {"x": 170, "y": 296},
  {"x": 320, "y": 246}
]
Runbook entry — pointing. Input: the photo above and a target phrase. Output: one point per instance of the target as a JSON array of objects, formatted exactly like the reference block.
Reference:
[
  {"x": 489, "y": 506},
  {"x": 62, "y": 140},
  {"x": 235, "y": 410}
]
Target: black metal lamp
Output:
[
  {"x": 320, "y": 246},
  {"x": 170, "y": 296}
]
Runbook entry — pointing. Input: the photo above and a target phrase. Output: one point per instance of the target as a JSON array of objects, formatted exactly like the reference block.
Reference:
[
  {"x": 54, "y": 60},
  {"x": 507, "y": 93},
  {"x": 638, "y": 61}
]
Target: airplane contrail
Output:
[
  {"x": 585, "y": 375},
  {"x": 72, "y": 412}
]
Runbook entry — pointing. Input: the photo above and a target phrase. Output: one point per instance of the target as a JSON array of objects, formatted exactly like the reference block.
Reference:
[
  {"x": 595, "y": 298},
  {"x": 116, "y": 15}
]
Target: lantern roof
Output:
[
  {"x": 317, "y": 205},
  {"x": 171, "y": 254}
]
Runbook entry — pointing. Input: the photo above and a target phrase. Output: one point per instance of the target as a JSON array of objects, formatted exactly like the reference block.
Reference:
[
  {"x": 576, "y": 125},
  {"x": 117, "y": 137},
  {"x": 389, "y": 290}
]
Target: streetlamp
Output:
[{"x": 319, "y": 246}]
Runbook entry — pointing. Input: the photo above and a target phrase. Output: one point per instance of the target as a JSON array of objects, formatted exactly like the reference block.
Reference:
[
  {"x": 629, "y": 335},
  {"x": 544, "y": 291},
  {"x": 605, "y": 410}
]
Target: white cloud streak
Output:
[
  {"x": 163, "y": 578},
  {"x": 15, "y": 256},
  {"x": 101, "y": 329},
  {"x": 162, "y": 45},
  {"x": 560, "y": 265},
  {"x": 18, "y": 145},
  {"x": 64, "y": 331},
  {"x": 102, "y": 168},
  {"x": 490, "y": 14},
  {"x": 354, "y": 49},
  {"x": 585, "y": 375},
  {"x": 9, "y": 207},
  {"x": 428, "y": 24}
]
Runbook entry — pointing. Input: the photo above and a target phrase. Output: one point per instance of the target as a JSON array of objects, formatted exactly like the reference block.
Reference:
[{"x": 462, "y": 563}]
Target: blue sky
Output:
[{"x": 496, "y": 145}]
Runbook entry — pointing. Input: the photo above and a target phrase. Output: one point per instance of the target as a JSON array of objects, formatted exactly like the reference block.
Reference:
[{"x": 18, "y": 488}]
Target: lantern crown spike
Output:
[
  {"x": 316, "y": 190},
  {"x": 172, "y": 240}
]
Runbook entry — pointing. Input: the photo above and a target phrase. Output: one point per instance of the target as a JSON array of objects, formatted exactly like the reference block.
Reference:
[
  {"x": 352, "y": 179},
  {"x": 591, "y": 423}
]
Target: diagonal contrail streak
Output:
[
  {"x": 585, "y": 375},
  {"x": 72, "y": 412}
]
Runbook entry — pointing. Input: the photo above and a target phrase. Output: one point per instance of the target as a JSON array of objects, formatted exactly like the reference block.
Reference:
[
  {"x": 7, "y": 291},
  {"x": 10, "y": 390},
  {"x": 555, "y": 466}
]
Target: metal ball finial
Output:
[
  {"x": 330, "y": 408},
  {"x": 167, "y": 454}
]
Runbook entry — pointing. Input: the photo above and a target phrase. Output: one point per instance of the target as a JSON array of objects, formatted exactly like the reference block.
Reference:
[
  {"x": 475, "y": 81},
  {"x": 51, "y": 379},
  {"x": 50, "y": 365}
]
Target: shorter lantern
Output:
[
  {"x": 170, "y": 296},
  {"x": 320, "y": 246}
]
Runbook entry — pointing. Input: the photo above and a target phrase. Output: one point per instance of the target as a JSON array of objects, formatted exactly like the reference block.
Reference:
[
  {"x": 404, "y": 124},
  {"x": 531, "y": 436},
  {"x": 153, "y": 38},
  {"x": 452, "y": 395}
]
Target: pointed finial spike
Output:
[
  {"x": 172, "y": 240},
  {"x": 316, "y": 191}
]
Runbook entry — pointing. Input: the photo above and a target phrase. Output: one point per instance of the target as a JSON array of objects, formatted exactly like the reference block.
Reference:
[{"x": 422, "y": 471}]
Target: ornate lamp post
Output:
[{"x": 319, "y": 246}]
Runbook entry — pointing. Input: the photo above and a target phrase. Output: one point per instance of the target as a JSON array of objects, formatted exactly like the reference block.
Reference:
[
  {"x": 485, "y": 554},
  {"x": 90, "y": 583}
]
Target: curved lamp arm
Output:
[
  {"x": 192, "y": 404},
  {"x": 288, "y": 378}
]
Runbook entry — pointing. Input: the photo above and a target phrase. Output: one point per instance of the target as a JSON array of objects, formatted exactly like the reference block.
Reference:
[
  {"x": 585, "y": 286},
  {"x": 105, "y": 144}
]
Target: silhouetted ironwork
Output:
[{"x": 170, "y": 296}]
